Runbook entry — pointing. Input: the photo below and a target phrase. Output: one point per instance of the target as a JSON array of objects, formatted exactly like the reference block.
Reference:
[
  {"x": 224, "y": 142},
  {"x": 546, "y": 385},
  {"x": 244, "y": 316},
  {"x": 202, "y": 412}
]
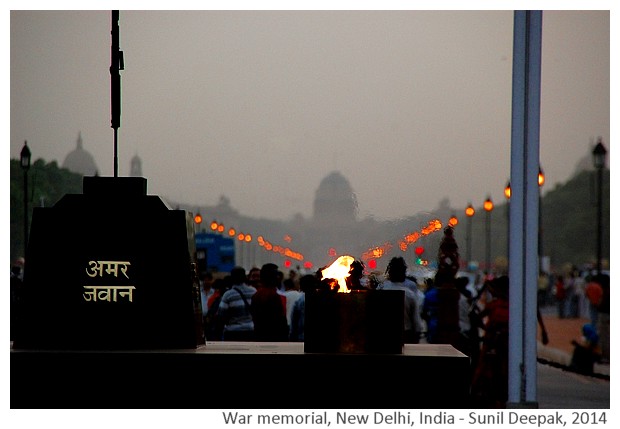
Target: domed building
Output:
[
  {"x": 135, "y": 170},
  {"x": 334, "y": 228},
  {"x": 335, "y": 200},
  {"x": 81, "y": 161}
]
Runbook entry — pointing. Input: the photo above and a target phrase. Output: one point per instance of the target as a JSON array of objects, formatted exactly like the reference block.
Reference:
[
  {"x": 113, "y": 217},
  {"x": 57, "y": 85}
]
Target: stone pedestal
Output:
[
  {"x": 112, "y": 268},
  {"x": 435, "y": 376},
  {"x": 357, "y": 322}
]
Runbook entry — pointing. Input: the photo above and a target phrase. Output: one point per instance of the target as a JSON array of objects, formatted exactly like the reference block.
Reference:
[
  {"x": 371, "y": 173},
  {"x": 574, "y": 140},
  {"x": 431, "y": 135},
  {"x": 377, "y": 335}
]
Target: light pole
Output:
[
  {"x": 24, "y": 159},
  {"x": 488, "y": 207},
  {"x": 469, "y": 212},
  {"x": 541, "y": 182},
  {"x": 598, "y": 157},
  {"x": 507, "y": 194}
]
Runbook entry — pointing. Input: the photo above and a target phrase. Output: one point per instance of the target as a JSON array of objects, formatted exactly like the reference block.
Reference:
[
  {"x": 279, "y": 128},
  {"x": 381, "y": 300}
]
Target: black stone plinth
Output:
[
  {"x": 112, "y": 268},
  {"x": 357, "y": 322},
  {"x": 422, "y": 376}
]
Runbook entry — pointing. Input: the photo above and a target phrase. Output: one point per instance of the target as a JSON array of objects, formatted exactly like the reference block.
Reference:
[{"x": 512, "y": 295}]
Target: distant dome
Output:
[
  {"x": 136, "y": 166},
  {"x": 80, "y": 161},
  {"x": 335, "y": 199}
]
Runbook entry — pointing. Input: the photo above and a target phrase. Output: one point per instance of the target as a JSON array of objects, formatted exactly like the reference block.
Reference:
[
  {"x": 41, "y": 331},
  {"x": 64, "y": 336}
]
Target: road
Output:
[{"x": 559, "y": 389}]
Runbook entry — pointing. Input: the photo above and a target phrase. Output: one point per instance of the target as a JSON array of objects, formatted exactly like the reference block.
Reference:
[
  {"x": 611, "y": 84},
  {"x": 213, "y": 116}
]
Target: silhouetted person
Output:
[
  {"x": 544, "y": 337},
  {"x": 206, "y": 290},
  {"x": 308, "y": 284},
  {"x": 594, "y": 295},
  {"x": 356, "y": 273},
  {"x": 269, "y": 307},
  {"x": 292, "y": 295},
  {"x": 441, "y": 311},
  {"x": 294, "y": 277},
  {"x": 444, "y": 296},
  {"x": 603, "y": 325},
  {"x": 448, "y": 254},
  {"x": 397, "y": 280},
  {"x": 490, "y": 381},
  {"x": 254, "y": 277},
  {"x": 234, "y": 309},
  {"x": 469, "y": 343},
  {"x": 560, "y": 296},
  {"x": 587, "y": 350},
  {"x": 214, "y": 326},
  {"x": 17, "y": 272}
]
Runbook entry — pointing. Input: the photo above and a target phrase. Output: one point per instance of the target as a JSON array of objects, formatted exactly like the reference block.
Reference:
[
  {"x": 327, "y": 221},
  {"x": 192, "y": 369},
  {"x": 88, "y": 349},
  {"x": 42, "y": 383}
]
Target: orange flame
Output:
[{"x": 339, "y": 270}]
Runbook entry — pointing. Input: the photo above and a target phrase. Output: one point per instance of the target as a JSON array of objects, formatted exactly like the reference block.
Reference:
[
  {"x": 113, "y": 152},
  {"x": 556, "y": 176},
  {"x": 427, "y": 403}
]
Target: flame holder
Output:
[{"x": 368, "y": 321}]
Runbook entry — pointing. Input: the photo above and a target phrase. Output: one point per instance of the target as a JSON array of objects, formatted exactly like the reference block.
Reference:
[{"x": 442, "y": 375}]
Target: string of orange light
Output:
[
  {"x": 375, "y": 252},
  {"x": 215, "y": 226},
  {"x": 432, "y": 226}
]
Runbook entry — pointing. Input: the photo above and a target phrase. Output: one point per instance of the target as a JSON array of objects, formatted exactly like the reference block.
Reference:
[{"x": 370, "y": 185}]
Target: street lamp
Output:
[
  {"x": 488, "y": 207},
  {"x": 469, "y": 212},
  {"x": 598, "y": 157},
  {"x": 24, "y": 159},
  {"x": 198, "y": 221},
  {"x": 507, "y": 194},
  {"x": 541, "y": 177},
  {"x": 541, "y": 182}
]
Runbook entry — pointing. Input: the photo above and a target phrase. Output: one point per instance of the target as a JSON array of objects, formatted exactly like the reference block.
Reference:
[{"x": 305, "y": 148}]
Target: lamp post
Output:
[
  {"x": 541, "y": 182},
  {"x": 488, "y": 207},
  {"x": 469, "y": 212},
  {"x": 598, "y": 157},
  {"x": 24, "y": 159},
  {"x": 507, "y": 194}
]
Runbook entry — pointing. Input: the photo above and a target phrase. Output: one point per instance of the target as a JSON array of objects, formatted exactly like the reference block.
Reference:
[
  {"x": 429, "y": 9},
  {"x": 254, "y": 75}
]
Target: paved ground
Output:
[{"x": 559, "y": 349}]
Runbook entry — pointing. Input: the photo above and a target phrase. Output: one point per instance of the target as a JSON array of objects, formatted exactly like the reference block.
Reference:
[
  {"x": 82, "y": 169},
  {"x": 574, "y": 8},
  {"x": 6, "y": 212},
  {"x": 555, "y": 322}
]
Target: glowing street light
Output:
[
  {"x": 541, "y": 177},
  {"x": 541, "y": 182},
  {"x": 507, "y": 194},
  {"x": 507, "y": 191},
  {"x": 469, "y": 212},
  {"x": 198, "y": 221},
  {"x": 488, "y": 207}
]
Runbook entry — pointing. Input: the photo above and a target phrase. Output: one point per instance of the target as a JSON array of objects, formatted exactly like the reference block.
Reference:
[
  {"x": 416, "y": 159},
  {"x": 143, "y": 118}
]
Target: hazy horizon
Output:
[{"x": 412, "y": 107}]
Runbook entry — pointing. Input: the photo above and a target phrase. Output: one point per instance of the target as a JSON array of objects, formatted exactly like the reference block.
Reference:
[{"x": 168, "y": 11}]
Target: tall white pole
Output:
[{"x": 524, "y": 208}]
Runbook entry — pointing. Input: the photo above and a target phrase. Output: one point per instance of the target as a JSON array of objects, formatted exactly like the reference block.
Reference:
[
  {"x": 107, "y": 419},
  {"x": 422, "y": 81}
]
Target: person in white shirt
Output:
[
  {"x": 396, "y": 274},
  {"x": 292, "y": 295}
]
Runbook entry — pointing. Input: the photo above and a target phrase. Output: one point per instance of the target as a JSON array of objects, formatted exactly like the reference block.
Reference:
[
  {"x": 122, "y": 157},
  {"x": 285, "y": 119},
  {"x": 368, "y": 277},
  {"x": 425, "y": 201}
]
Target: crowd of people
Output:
[
  {"x": 575, "y": 293},
  {"x": 444, "y": 309},
  {"x": 258, "y": 305},
  {"x": 264, "y": 304},
  {"x": 578, "y": 294}
]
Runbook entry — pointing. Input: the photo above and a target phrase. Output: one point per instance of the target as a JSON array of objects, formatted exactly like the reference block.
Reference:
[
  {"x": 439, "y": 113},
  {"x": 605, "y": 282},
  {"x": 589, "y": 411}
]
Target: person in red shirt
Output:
[
  {"x": 490, "y": 380},
  {"x": 269, "y": 307},
  {"x": 594, "y": 294}
]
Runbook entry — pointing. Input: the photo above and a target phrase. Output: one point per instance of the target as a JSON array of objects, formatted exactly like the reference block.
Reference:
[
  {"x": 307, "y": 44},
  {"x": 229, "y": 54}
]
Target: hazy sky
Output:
[{"x": 410, "y": 106}]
